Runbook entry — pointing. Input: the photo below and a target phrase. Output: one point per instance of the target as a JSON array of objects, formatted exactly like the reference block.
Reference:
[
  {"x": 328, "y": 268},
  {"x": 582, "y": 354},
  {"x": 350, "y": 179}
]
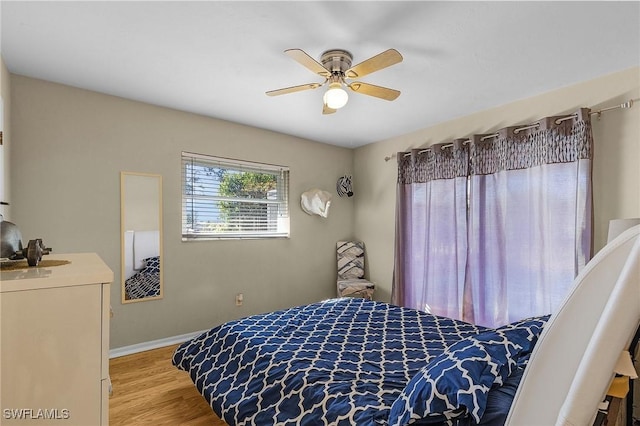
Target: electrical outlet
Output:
[{"x": 239, "y": 299}]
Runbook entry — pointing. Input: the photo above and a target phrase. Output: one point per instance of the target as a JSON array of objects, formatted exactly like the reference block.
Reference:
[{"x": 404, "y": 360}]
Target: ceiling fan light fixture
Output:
[
  {"x": 335, "y": 67},
  {"x": 336, "y": 97}
]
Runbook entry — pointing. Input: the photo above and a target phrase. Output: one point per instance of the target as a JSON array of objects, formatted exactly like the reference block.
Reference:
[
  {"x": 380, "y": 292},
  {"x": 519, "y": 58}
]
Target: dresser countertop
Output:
[{"x": 84, "y": 268}]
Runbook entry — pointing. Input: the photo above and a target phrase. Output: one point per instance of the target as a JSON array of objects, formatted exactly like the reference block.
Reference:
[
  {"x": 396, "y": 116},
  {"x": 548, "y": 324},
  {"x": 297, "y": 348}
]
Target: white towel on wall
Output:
[{"x": 145, "y": 244}]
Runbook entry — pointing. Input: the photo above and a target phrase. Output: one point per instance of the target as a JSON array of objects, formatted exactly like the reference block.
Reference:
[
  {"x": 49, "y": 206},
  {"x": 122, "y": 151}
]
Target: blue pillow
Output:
[{"x": 457, "y": 382}]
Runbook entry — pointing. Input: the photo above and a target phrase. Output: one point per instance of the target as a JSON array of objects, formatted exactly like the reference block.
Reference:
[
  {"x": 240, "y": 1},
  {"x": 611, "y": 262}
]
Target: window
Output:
[{"x": 224, "y": 198}]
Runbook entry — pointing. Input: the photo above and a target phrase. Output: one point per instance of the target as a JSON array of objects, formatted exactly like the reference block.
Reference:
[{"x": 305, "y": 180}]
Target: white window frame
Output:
[{"x": 194, "y": 204}]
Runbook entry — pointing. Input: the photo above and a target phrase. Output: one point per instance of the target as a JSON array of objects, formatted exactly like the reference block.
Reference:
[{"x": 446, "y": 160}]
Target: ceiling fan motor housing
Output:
[{"x": 336, "y": 60}]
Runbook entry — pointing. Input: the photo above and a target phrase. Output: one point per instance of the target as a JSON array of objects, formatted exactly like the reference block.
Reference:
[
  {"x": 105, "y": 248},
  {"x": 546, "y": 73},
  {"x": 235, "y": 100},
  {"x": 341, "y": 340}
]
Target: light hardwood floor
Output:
[{"x": 149, "y": 390}]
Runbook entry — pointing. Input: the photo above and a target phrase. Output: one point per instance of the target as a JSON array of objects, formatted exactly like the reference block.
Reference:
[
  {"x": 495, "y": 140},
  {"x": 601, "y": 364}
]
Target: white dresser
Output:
[{"x": 54, "y": 343}]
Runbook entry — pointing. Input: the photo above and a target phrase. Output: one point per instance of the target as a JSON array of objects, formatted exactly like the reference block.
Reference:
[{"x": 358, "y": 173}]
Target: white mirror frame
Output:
[{"x": 140, "y": 214}]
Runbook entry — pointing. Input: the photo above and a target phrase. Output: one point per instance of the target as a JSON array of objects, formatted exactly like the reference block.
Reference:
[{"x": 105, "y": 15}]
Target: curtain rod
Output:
[{"x": 599, "y": 112}]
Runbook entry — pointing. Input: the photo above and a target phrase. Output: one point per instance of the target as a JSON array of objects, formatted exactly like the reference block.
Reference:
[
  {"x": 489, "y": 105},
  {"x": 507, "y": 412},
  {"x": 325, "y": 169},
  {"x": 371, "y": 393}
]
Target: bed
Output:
[
  {"x": 353, "y": 361},
  {"x": 344, "y": 361},
  {"x": 141, "y": 260},
  {"x": 146, "y": 281}
]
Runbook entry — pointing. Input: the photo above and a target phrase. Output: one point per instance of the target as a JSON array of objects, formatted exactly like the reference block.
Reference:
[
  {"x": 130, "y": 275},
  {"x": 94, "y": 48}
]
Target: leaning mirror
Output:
[{"x": 141, "y": 236}]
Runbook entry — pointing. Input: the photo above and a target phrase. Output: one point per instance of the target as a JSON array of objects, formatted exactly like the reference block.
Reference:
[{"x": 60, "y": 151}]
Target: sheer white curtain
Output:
[
  {"x": 497, "y": 229},
  {"x": 431, "y": 236},
  {"x": 529, "y": 218}
]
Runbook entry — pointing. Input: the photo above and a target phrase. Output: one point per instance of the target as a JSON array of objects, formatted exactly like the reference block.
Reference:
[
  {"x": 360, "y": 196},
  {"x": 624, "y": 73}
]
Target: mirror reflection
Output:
[{"x": 141, "y": 234}]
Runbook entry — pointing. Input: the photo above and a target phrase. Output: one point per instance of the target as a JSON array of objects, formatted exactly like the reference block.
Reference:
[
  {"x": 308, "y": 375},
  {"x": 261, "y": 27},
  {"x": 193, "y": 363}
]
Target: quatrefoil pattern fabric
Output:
[
  {"x": 457, "y": 382},
  {"x": 146, "y": 282},
  {"x": 337, "y": 362}
]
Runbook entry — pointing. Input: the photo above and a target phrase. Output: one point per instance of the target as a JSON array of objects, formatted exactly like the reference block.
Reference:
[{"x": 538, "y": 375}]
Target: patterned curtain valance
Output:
[
  {"x": 550, "y": 140},
  {"x": 546, "y": 142},
  {"x": 441, "y": 161}
]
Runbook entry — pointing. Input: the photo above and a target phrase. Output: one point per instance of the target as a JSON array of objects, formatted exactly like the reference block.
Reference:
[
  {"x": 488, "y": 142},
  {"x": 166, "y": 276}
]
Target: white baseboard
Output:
[{"x": 154, "y": 344}]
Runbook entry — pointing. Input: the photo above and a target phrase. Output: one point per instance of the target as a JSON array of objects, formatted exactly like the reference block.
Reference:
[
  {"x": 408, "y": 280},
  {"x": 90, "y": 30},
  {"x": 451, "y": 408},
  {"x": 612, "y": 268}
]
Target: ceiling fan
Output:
[{"x": 335, "y": 67}]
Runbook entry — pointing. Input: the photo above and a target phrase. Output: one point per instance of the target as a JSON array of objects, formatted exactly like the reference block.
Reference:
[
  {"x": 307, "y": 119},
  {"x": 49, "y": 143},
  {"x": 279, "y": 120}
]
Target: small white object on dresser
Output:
[{"x": 54, "y": 343}]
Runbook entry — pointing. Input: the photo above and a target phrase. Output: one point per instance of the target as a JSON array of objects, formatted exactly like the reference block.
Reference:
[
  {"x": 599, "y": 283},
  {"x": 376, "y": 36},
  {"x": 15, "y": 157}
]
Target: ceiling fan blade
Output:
[
  {"x": 373, "y": 90},
  {"x": 375, "y": 63},
  {"x": 293, "y": 89},
  {"x": 327, "y": 110},
  {"x": 303, "y": 58}
]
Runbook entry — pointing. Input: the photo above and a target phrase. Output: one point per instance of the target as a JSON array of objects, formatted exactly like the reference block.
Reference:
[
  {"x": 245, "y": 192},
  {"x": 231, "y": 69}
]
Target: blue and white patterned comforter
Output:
[
  {"x": 338, "y": 362},
  {"x": 145, "y": 282}
]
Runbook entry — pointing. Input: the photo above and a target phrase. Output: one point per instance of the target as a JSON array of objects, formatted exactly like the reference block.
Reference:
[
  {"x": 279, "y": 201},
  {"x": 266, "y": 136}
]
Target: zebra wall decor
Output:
[{"x": 343, "y": 186}]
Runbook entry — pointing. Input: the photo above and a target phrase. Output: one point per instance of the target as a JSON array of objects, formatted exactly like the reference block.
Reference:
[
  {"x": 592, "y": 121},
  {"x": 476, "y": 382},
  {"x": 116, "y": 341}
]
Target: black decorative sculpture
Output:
[{"x": 10, "y": 239}]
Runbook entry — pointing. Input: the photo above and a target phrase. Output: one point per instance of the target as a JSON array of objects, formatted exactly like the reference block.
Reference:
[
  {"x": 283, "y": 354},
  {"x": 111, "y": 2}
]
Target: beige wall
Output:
[
  {"x": 5, "y": 111},
  {"x": 616, "y": 169},
  {"x": 70, "y": 146}
]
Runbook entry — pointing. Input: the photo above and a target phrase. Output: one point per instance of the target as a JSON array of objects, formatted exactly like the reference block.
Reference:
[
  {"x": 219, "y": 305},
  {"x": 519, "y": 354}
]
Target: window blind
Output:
[{"x": 226, "y": 198}]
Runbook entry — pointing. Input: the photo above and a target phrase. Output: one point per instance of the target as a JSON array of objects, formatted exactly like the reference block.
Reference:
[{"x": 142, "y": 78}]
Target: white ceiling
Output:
[{"x": 217, "y": 58}]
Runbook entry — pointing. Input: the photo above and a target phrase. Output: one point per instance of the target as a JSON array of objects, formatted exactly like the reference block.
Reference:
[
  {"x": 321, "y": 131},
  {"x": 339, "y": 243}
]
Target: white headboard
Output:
[{"x": 572, "y": 364}]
